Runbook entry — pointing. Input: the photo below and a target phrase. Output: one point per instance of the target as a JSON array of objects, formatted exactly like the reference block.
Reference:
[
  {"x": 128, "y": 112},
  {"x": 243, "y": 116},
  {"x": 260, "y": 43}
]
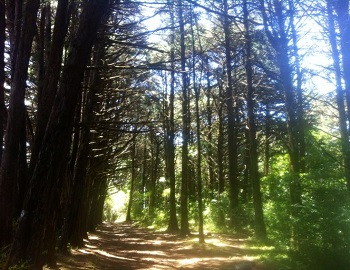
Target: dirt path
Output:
[{"x": 127, "y": 246}]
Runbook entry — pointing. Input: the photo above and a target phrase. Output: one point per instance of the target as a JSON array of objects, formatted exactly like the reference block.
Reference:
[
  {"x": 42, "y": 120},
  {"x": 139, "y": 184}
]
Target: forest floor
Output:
[{"x": 129, "y": 246}]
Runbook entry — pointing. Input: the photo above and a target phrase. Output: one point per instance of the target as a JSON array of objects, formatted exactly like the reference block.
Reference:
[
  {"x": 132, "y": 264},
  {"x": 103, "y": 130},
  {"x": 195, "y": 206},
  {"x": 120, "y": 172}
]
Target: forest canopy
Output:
[{"x": 217, "y": 115}]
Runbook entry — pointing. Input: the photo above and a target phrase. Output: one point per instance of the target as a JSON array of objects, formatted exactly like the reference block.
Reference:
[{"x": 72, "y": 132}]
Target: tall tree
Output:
[
  {"x": 231, "y": 103},
  {"x": 198, "y": 128},
  {"x": 47, "y": 92},
  {"x": 2, "y": 74},
  {"x": 340, "y": 98},
  {"x": 276, "y": 30},
  {"x": 170, "y": 131},
  {"x": 41, "y": 202},
  {"x": 10, "y": 164},
  {"x": 260, "y": 229},
  {"x": 185, "y": 172},
  {"x": 342, "y": 10}
]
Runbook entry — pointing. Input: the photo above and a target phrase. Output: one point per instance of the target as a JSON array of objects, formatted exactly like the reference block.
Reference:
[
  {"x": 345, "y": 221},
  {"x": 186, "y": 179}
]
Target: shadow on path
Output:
[{"x": 127, "y": 246}]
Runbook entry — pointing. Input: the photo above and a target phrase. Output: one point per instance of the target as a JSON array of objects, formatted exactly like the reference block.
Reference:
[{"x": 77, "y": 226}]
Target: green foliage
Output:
[
  {"x": 325, "y": 229},
  {"x": 323, "y": 221},
  {"x": 3, "y": 258}
]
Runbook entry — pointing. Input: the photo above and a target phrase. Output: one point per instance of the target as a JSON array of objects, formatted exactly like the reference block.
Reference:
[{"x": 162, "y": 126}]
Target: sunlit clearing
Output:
[{"x": 115, "y": 205}]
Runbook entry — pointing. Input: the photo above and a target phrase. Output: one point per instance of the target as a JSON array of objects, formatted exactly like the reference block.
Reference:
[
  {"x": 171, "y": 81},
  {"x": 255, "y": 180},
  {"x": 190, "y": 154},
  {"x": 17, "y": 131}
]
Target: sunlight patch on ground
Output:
[
  {"x": 84, "y": 251},
  {"x": 189, "y": 261},
  {"x": 259, "y": 247},
  {"x": 244, "y": 258},
  {"x": 161, "y": 242},
  {"x": 192, "y": 262},
  {"x": 106, "y": 254},
  {"x": 220, "y": 243},
  {"x": 93, "y": 237},
  {"x": 90, "y": 246},
  {"x": 149, "y": 252}
]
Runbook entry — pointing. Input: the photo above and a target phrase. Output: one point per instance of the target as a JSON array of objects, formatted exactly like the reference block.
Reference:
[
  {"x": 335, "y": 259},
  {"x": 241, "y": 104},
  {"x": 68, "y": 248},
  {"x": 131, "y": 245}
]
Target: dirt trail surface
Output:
[{"x": 127, "y": 246}]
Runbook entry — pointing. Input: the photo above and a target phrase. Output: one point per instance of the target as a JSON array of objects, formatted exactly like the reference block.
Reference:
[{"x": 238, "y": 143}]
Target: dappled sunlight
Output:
[
  {"x": 93, "y": 237},
  {"x": 149, "y": 252},
  {"x": 126, "y": 246},
  {"x": 104, "y": 253}
]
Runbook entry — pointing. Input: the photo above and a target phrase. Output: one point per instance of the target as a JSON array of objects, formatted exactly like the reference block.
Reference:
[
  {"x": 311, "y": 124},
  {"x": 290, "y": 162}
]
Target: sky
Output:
[{"x": 313, "y": 48}]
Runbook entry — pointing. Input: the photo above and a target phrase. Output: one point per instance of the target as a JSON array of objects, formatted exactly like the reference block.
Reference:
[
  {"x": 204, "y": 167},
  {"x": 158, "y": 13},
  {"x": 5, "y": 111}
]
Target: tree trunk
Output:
[
  {"x": 41, "y": 204},
  {"x": 343, "y": 18},
  {"x": 220, "y": 158},
  {"x": 199, "y": 142},
  {"x": 279, "y": 41},
  {"x": 75, "y": 227},
  {"x": 10, "y": 164},
  {"x": 132, "y": 181},
  {"x": 210, "y": 150},
  {"x": 185, "y": 173},
  {"x": 267, "y": 140},
  {"x": 170, "y": 146},
  {"x": 344, "y": 132},
  {"x": 300, "y": 114},
  {"x": 232, "y": 126},
  {"x": 49, "y": 85},
  {"x": 260, "y": 229},
  {"x": 2, "y": 76}
]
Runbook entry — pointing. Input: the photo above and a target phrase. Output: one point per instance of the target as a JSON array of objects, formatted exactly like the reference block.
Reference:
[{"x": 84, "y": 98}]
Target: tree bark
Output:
[
  {"x": 49, "y": 85},
  {"x": 42, "y": 199},
  {"x": 10, "y": 165},
  {"x": 132, "y": 181},
  {"x": 75, "y": 227},
  {"x": 199, "y": 139},
  {"x": 279, "y": 41},
  {"x": 343, "y": 19},
  {"x": 2, "y": 75},
  {"x": 185, "y": 173},
  {"x": 260, "y": 229},
  {"x": 170, "y": 133},
  {"x": 231, "y": 126}
]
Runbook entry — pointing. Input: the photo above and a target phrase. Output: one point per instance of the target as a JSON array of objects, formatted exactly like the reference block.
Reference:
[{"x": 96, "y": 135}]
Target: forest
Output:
[{"x": 208, "y": 116}]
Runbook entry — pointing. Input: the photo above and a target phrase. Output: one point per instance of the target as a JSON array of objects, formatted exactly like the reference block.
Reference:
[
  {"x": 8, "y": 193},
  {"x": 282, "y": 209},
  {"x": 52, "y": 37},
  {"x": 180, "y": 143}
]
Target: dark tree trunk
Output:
[
  {"x": 279, "y": 41},
  {"x": 267, "y": 140},
  {"x": 220, "y": 158},
  {"x": 14, "y": 18},
  {"x": 185, "y": 173},
  {"x": 210, "y": 153},
  {"x": 343, "y": 18},
  {"x": 300, "y": 113},
  {"x": 49, "y": 86},
  {"x": 10, "y": 165},
  {"x": 260, "y": 229},
  {"x": 98, "y": 196},
  {"x": 231, "y": 126},
  {"x": 75, "y": 228},
  {"x": 344, "y": 132},
  {"x": 2, "y": 75},
  {"x": 154, "y": 176},
  {"x": 132, "y": 181},
  {"x": 199, "y": 140},
  {"x": 42, "y": 200},
  {"x": 170, "y": 147}
]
